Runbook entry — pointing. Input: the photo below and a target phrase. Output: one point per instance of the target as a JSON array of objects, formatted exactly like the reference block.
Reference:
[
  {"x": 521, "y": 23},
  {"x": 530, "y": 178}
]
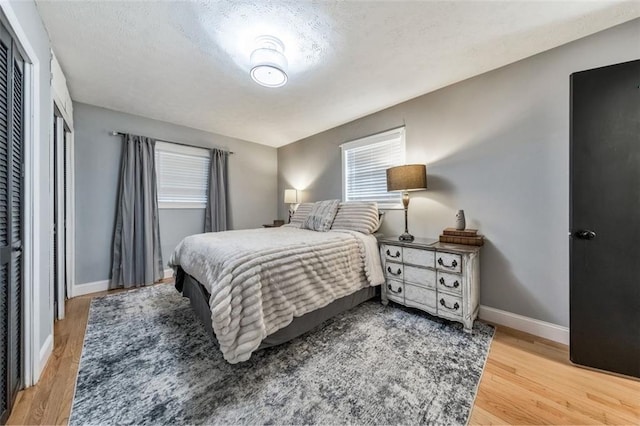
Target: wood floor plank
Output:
[
  {"x": 57, "y": 399},
  {"x": 511, "y": 408},
  {"x": 480, "y": 416},
  {"x": 42, "y": 399},
  {"x": 22, "y": 407},
  {"x": 528, "y": 380},
  {"x": 575, "y": 379},
  {"x": 577, "y": 405},
  {"x": 563, "y": 404}
]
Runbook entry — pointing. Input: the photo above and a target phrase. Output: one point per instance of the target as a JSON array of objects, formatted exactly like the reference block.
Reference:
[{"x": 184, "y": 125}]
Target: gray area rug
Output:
[{"x": 148, "y": 360}]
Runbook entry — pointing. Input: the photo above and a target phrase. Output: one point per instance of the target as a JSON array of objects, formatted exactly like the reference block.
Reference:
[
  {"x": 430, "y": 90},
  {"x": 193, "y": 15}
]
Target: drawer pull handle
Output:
[
  {"x": 453, "y": 263},
  {"x": 456, "y": 284},
  {"x": 454, "y": 308},
  {"x": 393, "y": 291},
  {"x": 390, "y": 255},
  {"x": 393, "y": 273}
]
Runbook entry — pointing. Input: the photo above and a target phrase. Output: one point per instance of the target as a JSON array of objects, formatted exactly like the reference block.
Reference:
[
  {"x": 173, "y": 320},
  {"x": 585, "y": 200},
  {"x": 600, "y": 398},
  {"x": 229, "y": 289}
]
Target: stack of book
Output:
[{"x": 469, "y": 237}]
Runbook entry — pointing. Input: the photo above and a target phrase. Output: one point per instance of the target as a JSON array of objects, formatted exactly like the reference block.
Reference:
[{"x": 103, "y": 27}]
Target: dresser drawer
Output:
[
  {"x": 394, "y": 271},
  {"x": 449, "y": 306},
  {"x": 420, "y": 276},
  {"x": 451, "y": 283},
  {"x": 448, "y": 262},
  {"x": 391, "y": 253},
  {"x": 424, "y": 297},
  {"x": 395, "y": 291},
  {"x": 418, "y": 257}
]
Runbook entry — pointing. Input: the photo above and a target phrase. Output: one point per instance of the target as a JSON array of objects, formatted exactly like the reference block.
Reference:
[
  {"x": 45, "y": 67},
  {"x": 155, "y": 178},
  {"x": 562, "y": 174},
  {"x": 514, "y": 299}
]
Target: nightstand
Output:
[
  {"x": 438, "y": 278},
  {"x": 275, "y": 224}
]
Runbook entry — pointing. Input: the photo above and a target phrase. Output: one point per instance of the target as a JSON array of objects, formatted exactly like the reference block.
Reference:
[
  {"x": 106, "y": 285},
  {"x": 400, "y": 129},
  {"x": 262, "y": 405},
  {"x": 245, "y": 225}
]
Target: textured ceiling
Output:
[{"x": 187, "y": 62}]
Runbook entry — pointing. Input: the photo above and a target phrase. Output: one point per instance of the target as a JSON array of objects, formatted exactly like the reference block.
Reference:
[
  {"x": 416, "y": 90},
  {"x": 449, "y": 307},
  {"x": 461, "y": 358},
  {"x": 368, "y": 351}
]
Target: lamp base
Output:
[
  {"x": 406, "y": 237},
  {"x": 292, "y": 209}
]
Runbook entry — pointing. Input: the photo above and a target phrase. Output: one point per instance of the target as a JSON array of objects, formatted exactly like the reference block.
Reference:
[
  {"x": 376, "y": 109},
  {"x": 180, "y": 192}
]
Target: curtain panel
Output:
[
  {"x": 137, "y": 257},
  {"x": 215, "y": 216}
]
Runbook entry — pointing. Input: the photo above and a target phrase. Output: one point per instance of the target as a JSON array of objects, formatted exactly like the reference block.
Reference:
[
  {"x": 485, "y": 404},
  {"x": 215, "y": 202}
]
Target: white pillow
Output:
[
  {"x": 361, "y": 216},
  {"x": 321, "y": 215},
  {"x": 300, "y": 215}
]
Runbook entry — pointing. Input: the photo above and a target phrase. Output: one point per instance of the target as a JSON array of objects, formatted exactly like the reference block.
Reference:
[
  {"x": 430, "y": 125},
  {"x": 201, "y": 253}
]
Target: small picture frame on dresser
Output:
[{"x": 441, "y": 279}]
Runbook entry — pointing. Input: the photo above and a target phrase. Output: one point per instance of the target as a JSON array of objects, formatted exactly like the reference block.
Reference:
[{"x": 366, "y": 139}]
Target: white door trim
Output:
[
  {"x": 63, "y": 102},
  {"x": 32, "y": 365},
  {"x": 60, "y": 212},
  {"x": 70, "y": 211},
  {"x": 64, "y": 155}
]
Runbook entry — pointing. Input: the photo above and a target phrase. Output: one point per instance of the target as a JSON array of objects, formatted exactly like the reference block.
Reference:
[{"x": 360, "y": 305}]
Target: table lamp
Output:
[
  {"x": 291, "y": 197},
  {"x": 411, "y": 177}
]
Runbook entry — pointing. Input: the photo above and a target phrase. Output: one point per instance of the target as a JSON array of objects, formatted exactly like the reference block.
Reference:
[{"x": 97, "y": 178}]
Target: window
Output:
[
  {"x": 183, "y": 175},
  {"x": 364, "y": 165}
]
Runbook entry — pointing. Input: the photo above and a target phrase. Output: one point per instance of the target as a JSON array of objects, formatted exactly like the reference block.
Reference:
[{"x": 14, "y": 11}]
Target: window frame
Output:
[
  {"x": 398, "y": 132},
  {"x": 182, "y": 150}
]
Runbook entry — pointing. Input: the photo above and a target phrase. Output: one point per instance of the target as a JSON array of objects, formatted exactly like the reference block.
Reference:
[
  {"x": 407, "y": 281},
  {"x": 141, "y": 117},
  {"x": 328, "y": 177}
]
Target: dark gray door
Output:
[
  {"x": 11, "y": 220},
  {"x": 605, "y": 218}
]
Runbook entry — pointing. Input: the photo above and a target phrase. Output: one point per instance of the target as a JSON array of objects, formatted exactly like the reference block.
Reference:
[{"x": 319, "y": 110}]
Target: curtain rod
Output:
[{"x": 114, "y": 133}]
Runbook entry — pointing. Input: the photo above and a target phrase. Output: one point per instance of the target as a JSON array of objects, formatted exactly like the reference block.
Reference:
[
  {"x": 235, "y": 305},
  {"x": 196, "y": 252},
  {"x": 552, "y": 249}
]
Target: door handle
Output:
[{"x": 585, "y": 234}]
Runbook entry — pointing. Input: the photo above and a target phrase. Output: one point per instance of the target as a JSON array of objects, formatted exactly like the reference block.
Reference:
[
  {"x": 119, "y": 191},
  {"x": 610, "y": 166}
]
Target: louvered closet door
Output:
[
  {"x": 5, "y": 221},
  {"x": 11, "y": 220},
  {"x": 17, "y": 187}
]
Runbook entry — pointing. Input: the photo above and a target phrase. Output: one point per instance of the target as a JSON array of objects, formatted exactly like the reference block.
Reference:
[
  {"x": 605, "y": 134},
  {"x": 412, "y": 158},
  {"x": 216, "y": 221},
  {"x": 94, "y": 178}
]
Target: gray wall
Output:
[
  {"x": 497, "y": 146},
  {"x": 252, "y": 184},
  {"x": 29, "y": 19}
]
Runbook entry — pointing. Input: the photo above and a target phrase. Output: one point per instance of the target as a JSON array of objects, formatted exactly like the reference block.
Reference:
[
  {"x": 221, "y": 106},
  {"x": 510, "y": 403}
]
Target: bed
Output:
[{"x": 262, "y": 287}]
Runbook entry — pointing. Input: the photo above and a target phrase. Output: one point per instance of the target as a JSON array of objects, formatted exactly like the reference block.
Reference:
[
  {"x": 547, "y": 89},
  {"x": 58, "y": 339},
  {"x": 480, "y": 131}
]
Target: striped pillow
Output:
[
  {"x": 321, "y": 215},
  {"x": 300, "y": 215},
  {"x": 361, "y": 216}
]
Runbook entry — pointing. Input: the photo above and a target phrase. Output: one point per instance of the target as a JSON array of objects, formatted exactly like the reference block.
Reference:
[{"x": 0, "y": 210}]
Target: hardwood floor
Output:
[{"x": 527, "y": 380}]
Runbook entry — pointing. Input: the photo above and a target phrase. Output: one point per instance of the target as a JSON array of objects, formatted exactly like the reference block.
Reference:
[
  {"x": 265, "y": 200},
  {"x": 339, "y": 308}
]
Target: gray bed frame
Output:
[{"x": 199, "y": 298}]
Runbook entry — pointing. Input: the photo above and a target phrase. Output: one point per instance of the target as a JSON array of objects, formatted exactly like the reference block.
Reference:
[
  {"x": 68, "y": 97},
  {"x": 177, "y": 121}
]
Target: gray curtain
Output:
[
  {"x": 215, "y": 216},
  {"x": 137, "y": 259}
]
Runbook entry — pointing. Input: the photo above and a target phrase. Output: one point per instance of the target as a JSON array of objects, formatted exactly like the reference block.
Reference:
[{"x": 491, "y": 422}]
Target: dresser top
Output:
[{"x": 428, "y": 243}]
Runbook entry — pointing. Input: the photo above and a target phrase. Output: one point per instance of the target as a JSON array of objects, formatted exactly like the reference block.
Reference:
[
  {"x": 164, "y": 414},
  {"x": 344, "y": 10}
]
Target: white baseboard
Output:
[
  {"x": 550, "y": 331},
  {"x": 88, "y": 288},
  {"x": 43, "y": 356},
  {"x": 98, "y": 286}
]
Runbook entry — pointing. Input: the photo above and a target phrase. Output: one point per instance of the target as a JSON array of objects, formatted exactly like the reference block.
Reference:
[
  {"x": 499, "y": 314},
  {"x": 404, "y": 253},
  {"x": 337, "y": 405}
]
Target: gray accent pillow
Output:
[
  {"x": 361, "y": 216},
  {"x": 300, "y": 215},
  {"x": 321, "y": 215}
]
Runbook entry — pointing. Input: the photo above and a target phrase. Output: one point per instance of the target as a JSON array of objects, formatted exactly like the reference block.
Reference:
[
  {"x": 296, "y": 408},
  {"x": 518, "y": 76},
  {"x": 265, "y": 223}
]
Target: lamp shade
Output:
[
  {"x": 290, "y": 196},
  {"x": 411, "y": 177}
]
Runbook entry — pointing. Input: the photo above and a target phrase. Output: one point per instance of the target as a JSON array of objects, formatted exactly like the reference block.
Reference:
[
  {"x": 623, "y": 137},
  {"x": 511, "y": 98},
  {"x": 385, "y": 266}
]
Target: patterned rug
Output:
[{"x": 148, "y": 360}]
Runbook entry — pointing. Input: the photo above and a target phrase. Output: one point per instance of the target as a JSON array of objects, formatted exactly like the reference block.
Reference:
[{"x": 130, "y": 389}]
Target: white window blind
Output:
[
  {"x": 364, "y": 167},
  {"x": 182, "y": 174}
]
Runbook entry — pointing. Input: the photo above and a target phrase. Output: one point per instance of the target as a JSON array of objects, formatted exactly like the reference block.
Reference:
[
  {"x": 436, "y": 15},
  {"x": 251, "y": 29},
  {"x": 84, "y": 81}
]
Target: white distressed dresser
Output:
[{"x": 438, "y": 278}]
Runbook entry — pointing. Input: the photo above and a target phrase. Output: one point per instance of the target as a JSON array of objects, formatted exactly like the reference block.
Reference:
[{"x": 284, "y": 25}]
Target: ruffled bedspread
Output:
[{"x": 260, "y": 279}]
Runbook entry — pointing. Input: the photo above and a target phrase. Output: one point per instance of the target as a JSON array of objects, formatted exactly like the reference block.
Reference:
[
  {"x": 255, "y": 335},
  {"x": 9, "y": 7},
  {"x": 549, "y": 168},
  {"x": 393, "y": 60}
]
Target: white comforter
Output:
[{"x": 260, "y": 279}]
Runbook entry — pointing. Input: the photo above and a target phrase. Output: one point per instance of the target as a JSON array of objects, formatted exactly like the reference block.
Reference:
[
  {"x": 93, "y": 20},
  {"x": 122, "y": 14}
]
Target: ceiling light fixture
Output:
[{"x": 268, "y": 63}]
